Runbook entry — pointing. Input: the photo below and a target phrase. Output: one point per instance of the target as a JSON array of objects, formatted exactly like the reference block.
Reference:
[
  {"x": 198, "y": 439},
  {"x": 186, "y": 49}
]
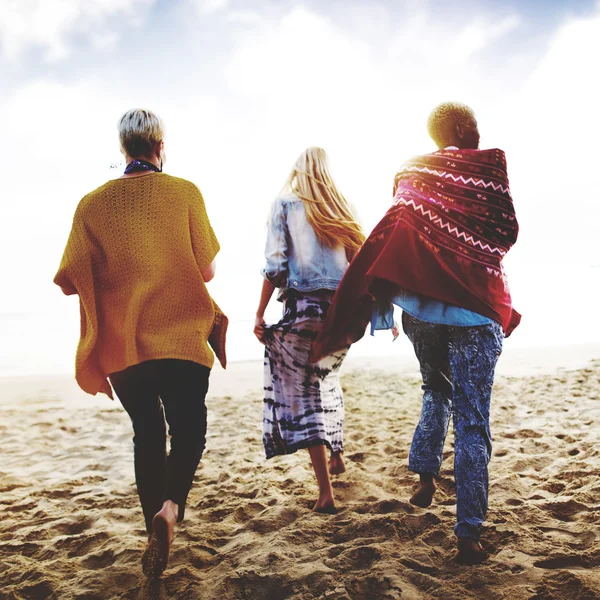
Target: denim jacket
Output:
[{"x": 295, "y": 258}]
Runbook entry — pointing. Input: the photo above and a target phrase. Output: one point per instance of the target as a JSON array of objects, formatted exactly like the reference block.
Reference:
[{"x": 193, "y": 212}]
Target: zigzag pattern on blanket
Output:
[
  {"x": 437, "y": 220},
  {"x": 444, "y": 189},
  {"x": 459, "y": 178}
]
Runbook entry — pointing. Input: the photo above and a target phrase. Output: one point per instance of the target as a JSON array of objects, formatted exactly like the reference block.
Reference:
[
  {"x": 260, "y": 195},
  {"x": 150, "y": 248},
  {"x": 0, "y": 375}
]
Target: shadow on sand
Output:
[{"x": 152, "y": 589}]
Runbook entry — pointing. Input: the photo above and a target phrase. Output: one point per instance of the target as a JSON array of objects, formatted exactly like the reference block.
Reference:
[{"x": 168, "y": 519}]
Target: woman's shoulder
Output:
[
  {"x": 179, "y": 183},
  {"x": 94, "y": 197},
  {"x": 283, "y": 204},
  {"x": 287, "y": 199}
]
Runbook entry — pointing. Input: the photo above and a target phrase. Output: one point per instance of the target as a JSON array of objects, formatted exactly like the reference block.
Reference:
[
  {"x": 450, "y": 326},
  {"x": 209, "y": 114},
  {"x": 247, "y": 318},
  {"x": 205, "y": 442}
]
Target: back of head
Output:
[
  {"x": 328, "y": 212},
  {"x": 140, "y": 130},
  {"x": 453, "y": 124}
]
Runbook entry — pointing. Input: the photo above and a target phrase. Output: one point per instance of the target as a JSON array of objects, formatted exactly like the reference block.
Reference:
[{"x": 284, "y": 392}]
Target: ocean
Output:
[{"x": 559, "y": 308}]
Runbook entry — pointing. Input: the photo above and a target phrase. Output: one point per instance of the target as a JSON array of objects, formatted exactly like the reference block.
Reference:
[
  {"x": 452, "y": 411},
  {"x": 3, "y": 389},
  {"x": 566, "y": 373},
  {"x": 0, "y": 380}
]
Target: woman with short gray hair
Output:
[{"x": 139, "y": 254}]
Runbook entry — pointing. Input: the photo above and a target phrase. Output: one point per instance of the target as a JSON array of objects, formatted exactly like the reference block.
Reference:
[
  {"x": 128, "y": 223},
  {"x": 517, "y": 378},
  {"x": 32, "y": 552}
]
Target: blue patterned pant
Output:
[{"x": 457, "y": 366}]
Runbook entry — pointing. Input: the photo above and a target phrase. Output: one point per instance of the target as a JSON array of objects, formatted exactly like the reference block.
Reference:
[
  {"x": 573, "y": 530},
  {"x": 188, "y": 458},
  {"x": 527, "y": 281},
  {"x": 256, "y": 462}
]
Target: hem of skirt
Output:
[{"x": 292, "y": 449}]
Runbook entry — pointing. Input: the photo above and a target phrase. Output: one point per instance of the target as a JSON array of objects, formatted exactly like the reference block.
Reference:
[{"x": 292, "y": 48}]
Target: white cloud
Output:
[
  {"x": 49, "y": 25},
  {"x": 105, "y": 41},
  {"x": 479, "y": 34},
  {"x": 554, "y": 125},
  {"x": 210, "y": 7},
  {"x": 244, "y": 17}
]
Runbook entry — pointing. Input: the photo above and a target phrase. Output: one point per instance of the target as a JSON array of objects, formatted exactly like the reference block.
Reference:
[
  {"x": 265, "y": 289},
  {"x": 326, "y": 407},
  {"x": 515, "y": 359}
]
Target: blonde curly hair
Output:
[{"x": 443, "y": 119}]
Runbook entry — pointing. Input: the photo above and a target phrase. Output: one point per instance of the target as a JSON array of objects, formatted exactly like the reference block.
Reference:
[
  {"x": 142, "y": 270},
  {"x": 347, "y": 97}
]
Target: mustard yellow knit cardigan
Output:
[{"x": 134, "y": 256}]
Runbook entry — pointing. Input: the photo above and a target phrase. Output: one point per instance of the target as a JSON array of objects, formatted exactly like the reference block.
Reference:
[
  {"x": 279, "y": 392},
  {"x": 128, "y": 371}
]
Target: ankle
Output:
[
  {"x": 325, "y": 501},
  {"x": 326, "y": 496},
  {"x": 426, "y": 478},
  {"x": 467, "y": 543},
  {"x": 170, "y": 509}
]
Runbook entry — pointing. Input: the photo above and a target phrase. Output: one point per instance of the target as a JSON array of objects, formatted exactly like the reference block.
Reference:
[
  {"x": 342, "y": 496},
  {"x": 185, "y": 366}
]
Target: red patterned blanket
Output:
[{"x": 451, "y": 224}]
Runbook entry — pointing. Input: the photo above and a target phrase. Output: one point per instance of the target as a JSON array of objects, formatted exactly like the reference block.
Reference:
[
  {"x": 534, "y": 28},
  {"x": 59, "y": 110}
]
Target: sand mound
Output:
[{"x": 71, "y": 527}]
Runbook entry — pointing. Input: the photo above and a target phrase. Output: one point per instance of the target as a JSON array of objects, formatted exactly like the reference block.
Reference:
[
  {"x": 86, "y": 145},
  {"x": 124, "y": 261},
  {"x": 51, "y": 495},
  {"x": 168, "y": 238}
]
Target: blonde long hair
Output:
[{"x": 328, "y": 212}]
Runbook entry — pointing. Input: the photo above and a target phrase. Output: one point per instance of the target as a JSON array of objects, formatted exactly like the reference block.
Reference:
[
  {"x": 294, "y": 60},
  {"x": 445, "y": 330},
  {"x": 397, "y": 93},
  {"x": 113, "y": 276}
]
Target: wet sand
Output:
[{"x": 71, "y": 526}]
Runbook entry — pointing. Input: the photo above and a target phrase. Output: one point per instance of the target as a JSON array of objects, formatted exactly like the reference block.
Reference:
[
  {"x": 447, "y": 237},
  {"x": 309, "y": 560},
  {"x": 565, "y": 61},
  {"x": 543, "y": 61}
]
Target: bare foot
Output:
[
  {"x": 337, "y": 466},
  {"x": 156, "y": 555},
  {"x": 469, "y": 552},
  {"x": 325, "y": 506},
  {"x": 151, "y": 560},
  {"x": 424, "y": 494}
]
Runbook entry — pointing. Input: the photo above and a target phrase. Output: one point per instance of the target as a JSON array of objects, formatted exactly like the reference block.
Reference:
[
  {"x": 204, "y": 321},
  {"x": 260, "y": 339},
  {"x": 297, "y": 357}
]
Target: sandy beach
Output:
[{"x": 71, "y": 525}]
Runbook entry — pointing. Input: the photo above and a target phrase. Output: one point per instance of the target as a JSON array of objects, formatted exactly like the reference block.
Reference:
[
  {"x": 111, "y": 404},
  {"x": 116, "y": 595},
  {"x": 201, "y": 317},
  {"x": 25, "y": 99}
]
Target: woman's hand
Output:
[{"x": 259, "y": 329}]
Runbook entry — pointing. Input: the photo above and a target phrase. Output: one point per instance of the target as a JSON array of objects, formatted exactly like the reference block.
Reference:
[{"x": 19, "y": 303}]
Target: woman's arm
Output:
[
  {"x": 210, "y": 271},
  {"x": 204, "y": 241},
  {"x": 259, "y": 323},
  {"x": 275, "y": 271},
  {"x": 75, "y": 266},
  {"x": 276, "y": 248}
]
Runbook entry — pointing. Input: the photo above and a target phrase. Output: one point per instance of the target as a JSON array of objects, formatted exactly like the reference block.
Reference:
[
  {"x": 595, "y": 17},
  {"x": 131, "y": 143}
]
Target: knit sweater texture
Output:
[{"x": 135, "y": 257}]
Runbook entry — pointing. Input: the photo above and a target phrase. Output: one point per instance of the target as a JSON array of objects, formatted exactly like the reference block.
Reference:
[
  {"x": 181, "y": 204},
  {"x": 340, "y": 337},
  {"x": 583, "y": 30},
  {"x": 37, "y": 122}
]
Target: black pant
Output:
[{"x": 179, "y": 387}]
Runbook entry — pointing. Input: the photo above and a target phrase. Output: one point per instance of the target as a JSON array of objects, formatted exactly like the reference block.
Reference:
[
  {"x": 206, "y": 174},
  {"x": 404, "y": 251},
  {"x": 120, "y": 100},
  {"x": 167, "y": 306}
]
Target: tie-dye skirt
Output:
[{"x": 303, "y": 402}]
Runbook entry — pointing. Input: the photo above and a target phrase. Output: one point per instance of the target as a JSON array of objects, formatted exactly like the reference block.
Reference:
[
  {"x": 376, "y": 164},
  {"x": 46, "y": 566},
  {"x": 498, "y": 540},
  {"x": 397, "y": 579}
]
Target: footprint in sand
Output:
[
  {"x": 496, "y": 539},
  {"x": 248, "y": 583},
  {"x": 554, "y": 487},
  {"x": 100, "y": 560},
  {"x": 243, "y": 514},
  {"x": 521, "y": 434},
  {"x": 564, "y": 510},
  {"x": 359, "y": 558},
  {"x": 565, "y": 561},
  {"x": 272, "y": 520},
  {"x": 436, "y": 538},
  {"x": 42, "y": 589},
  {"x": 357, "y": 457},
  {"x": 28, "y": 549},
  {"x": 374, "y": 528},
  {"x": 384, "y": 507},
  {"x": 201, "y": 557},
  {"x": 82, "y": 544},
  {"x": 575, "y": 539},
  {"x": 217, "y": 515},
  {"x": 73, "y": 526},
  {"x": 565, "y": 584},
  {"x": 415, "y": 565}
]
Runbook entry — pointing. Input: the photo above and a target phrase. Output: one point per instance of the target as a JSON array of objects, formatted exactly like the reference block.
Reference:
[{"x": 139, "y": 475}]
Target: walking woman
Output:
[
  {"x": 312, "y": 236},
  {"x": 140, "y": 251}
]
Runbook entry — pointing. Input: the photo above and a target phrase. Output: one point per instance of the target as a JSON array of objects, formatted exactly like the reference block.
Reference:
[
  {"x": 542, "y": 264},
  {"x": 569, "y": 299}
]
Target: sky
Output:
[{"x": 245, "y": 87}]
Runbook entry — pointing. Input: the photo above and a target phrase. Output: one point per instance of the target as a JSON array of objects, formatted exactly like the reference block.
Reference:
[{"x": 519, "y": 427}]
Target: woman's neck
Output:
[{"x": 149, "y": 165}]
